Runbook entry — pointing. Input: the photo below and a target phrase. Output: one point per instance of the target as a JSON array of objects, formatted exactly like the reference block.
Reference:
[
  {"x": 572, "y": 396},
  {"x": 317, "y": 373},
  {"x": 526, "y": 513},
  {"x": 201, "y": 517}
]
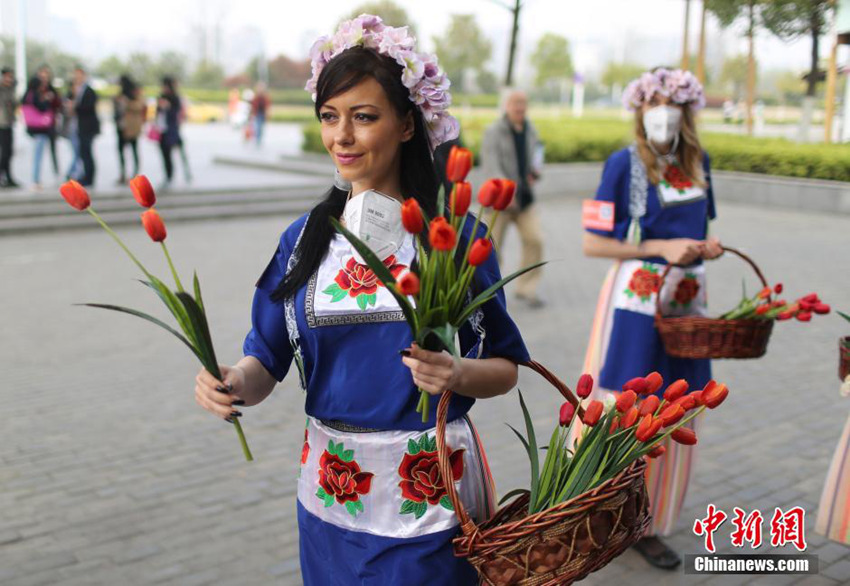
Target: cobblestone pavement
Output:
[{"x": 110, "y": 474}]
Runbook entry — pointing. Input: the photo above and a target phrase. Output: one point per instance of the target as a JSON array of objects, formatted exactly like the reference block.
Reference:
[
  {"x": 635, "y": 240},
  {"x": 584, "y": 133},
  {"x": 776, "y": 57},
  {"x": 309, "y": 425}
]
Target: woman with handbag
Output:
[
  {"x": 652, "y": 209},
  {"x": 372, "y": 506},
  {"x": 129, "y": 113},
  {"x": 37, "y": 106}
]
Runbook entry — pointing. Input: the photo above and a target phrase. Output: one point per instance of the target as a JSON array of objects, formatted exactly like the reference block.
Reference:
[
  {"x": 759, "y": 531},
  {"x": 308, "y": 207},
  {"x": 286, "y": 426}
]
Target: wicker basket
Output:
[
  {"x": 559, "y": 545},
  {"x": 704, "y": 337}
]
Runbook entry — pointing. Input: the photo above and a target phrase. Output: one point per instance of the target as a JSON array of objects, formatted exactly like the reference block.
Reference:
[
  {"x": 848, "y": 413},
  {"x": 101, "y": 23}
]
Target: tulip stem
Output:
[
  {"x": 118, "y": 240},
  {"x": 245, "y": 449},
  {"x": 171, "y": 265}
]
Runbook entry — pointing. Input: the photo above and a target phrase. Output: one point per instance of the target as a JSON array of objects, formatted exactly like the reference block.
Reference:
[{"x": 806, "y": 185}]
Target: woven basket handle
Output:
[
  {"x": 735, "y": 251},
  {"x": 467, "y": 525}
]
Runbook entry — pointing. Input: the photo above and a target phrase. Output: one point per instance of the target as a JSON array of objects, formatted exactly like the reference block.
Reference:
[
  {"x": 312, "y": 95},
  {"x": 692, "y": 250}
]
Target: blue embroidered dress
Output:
[
  {"x": 371, "y": 506},
  {"x": 675, "y": 208}
]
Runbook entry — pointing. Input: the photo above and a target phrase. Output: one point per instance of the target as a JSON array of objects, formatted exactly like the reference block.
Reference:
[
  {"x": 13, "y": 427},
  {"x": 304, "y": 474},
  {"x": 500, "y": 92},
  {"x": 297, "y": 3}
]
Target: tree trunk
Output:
[
  {"x": 813, "y": 74},
  {"x": 685, "y": 55},
  {"x": 751, "y": 68},
  {"x": 701, "y": 54},
  {"x": 509, "y": 77}
]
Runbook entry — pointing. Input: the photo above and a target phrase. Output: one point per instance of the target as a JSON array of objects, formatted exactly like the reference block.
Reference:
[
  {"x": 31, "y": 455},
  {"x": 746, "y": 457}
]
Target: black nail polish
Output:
[
  {"x": 221, "y": 389},
  {"x": 238, "y": 402},
  {"x": 228, "y": 419},
  {"x": 236, "y": 414},
  {"x": 405, "y": 353},
  {"x": 229, "y": 387}
]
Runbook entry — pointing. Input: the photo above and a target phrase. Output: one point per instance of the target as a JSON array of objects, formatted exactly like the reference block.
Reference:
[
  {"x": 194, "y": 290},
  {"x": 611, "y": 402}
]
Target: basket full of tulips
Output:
[
  {"x": 587, "y": 503},
  {"x": 743, "y": 332}
]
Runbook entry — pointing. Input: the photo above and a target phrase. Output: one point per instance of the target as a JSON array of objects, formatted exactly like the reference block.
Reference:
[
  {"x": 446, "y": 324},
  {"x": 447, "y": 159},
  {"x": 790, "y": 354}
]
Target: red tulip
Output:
[
  {"x": 461, "y": 198},
  {"x": 615, "y": 422},
  {"x": 489, "y": 192},
  {"x": 566, "y": 414},
  {"x": 687, "y": 402},
  {"x": 458, "y": 164},
  {"x": 411, "y": 216},
  {"x": 807, "y": 305},
  {"x": 630, "y": 418},
  {"x": 506, "y": 196},
  {"x": 654, "y": 380},
  {"x": 408, "y": 284},
  {"x": 778, "y": 288},
  {"x": 626, "y": 401},
  {"x": 584, "y": 386},
  {"x": 676, "y": 390},
  {"x": 593, "y": 413},
  {"x": 684, "y": 436},
  {"x": 143, "y": 191},
  {"x": 638, "y": 384},
  {"x": 647, "y": 428},
  {"x": 672, "y": 414},
  {"x": 480, "y": 251},
  {"x": 154, "y": 225},
  {"x": 763, "y": 309},
  {"x": 783, "y": 315},
  {"x": 75, "y": 194},
  {"x": 715, "y": 396},
  {"x": 764, "y": 293},
  {"x": 649, "y": 405},
  {"x": 441, "y": 235},
  {"x": 822, "y": 308},
  {"x": 811, "y": 298},
  {"x": 697, "y": 398},
  {"x": 656, "y": 452},
  {"x": 804, "y": 316}
]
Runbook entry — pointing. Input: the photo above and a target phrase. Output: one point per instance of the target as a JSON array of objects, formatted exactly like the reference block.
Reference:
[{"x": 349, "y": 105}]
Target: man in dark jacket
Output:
[
  {"x": 83, "y": 106},
  {"x": 7, "y": 123}
]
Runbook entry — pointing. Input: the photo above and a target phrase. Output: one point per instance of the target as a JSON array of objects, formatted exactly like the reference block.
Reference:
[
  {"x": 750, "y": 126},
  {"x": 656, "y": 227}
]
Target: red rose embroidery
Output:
[
  {"x": 305, "y": 449},
  {"x": 677, "y": 178},
  {"x": 686, "y": 291},
  {"x": 358, "y": 281},
  {"x": 341, "y": 479},
  {"x": 644, "y": 282},
  {"x": 421, "y": 482}
]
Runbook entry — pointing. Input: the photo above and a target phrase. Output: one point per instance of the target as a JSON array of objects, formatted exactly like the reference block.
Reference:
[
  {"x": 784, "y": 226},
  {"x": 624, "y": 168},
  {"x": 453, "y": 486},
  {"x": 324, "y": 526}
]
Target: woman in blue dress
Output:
[
  {"x": 652, "y": 209},
  {"x": 372, "y": 507}
]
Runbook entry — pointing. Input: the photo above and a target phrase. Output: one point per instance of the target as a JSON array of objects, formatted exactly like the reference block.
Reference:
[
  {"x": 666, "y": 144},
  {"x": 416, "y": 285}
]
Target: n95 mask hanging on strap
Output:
[{"x": 375, "y": 218}]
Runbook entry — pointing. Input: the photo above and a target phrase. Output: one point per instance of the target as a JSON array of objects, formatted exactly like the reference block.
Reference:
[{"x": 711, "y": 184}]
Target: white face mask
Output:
[
  {"x": 375, "y": 218},
  {"x": 662, "y": 124}
]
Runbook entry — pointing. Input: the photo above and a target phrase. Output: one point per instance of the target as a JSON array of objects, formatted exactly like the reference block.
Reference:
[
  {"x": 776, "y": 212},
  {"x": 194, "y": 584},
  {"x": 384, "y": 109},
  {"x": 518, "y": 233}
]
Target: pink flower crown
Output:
[
  {"x": 682, "y": 87},
  {"x": 428, "y": 84}
]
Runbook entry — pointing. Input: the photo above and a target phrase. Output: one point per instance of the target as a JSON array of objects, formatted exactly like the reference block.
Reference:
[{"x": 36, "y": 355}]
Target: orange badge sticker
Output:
[{"x": 597, "y": 215}]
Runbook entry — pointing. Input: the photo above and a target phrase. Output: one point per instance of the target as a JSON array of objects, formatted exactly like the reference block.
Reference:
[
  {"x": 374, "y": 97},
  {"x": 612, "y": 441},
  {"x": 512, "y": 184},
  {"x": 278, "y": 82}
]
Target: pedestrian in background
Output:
[
  {"x": 129, "y": 110},
  {"x": 168, "y": 112},
  {"x": 511, "y": 149},
  {"x": 37, "y": 109},
  {"x": 8, "y": 103},
  {"x": 259, "y": 111},
  {"x": 84, "y": 123},
  {"x": 45, "y": 74}
]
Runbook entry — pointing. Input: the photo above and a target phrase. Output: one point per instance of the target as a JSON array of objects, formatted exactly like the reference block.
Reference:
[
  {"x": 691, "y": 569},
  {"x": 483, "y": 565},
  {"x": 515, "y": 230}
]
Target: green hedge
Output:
[{"x": 568, "y": 140}]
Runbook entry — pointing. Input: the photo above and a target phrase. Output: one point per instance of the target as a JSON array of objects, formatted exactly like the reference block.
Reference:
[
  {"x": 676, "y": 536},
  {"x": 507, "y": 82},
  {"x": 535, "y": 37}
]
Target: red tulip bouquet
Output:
[
  {"x": 763, "y": 307},
  {"x": 440, "y": 286},
  {"x": 187, "y": 310},
  {"x": 613, "y": 435}
]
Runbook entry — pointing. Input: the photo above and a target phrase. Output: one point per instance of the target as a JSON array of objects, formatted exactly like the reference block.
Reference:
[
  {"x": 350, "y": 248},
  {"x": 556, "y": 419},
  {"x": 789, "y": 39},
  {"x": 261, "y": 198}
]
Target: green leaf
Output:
[
  {"x": 407, "y": 507},
  {"x": 321, "y": 493},
  {"x": 199, "y": 324},
  {"x": 332, "y": 447},
  {"x": 175, "y": 307},
  {"x": 485, "y": 295},
  {"x": 359, "y": 506},
  {"x": 337, "y": 292},
  {"x": 412, "y": 447},
  {"x": 420, "y": 509},
  {"x": 441, "y": 200},
  {"x": 198, "y": 297},
  {"x": 347, "y": 456},
  {"x": 351, "y": 508},
  {"x": 372, "y": 299},
  {"x": 532, "y": 449},
  {"x": 550, "y": 465},
  {"x": 150, "y": 318},
  {"x": 381, "y": 271},
  {"x": 423, "y": 443},
  {"x": 513, "y": 493},
  {"x": 432, "y": 444},
  {"x": 329, "y": 500},
  {"x": 446, "y": 503},
  {"x": 361, "y": 302},
  {"x": 844, "y": 315}
]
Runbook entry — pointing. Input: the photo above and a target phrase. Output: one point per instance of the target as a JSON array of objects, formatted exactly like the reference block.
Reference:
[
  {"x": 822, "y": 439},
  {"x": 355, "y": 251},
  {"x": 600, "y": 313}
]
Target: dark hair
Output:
[
  {"x": 168, "y": 82},
  {"x": 128, "y": 86},
  {"x": 418, "y": 178}
]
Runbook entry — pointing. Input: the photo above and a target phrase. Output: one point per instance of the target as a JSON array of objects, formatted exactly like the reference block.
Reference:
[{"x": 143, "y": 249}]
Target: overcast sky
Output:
[{"x": 597, "y": 29}]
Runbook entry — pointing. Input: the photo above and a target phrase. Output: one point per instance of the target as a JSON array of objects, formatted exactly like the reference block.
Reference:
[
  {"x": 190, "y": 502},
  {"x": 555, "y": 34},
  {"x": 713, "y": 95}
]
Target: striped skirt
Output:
[{"x": 834, "y": 512}]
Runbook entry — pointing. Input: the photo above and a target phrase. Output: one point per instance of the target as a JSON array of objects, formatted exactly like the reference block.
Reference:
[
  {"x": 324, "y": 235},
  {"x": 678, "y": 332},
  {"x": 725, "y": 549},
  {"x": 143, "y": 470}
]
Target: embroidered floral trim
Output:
[
  {"x": 644, "y": 283},
  {"x": 358, "y": 281},
  {"x": 686, "y": 291},
  {"x": 341, "y": 480},
  {"x": 305, "y": 449},
  {"x": 421, "y": 483},
  {"x": 675, "y": 178}
]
